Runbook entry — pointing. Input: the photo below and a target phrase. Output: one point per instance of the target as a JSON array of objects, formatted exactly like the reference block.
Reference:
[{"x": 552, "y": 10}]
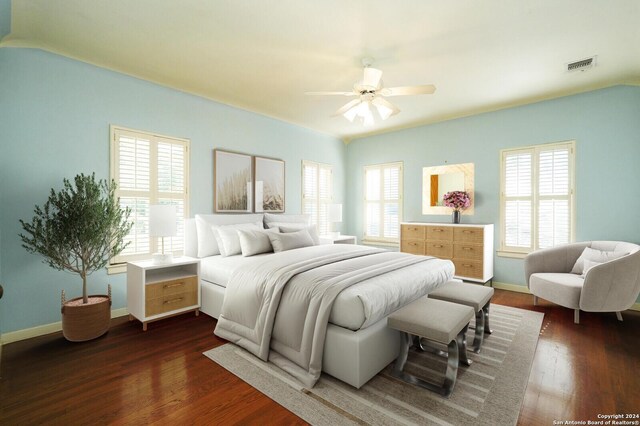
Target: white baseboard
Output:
[
  {"x": 41, "y": 330},
  {"x": 524, "y": 289}
]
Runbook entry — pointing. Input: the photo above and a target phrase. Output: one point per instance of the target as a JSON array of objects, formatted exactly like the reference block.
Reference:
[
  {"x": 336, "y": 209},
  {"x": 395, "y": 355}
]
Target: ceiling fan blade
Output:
[
  {"x": 385, "y": 108},
  {"x": 371, "y": 77},
  {"x": 330, "y": 93},
  {"x": 346, "y": 107},
  {"x": 426, "y": 89}
]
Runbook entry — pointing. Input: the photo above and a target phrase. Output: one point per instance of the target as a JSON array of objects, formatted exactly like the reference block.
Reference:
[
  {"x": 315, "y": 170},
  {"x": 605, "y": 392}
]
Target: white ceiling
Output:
[{"x": 263, "y": 55}]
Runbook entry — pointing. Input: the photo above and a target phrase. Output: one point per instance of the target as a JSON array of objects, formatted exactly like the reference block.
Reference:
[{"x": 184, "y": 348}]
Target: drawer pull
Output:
[
  {"x": 466, "y": 265},
  {"x": 467, "y": 248},
  {"x": 413, "y": 244},
  {"x": 466, "y": 231},
  {"x": 166, "y": 302},
  {"x": 437, "y": 246},
  {"x": 438, "y": 230},
  {"x": 173, "y": 285}
]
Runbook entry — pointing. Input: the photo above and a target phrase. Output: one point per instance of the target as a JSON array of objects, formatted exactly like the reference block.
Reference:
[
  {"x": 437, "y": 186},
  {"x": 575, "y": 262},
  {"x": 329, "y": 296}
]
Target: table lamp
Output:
[
  {"x": 163, "y": 223},
  {"x": 334, "y": 215}
]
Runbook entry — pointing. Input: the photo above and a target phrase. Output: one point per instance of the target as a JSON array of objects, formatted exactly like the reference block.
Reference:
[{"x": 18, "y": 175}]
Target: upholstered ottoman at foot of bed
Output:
[
  {"x": 476, "y": 296},
  {"x": 436, "y": 321}
]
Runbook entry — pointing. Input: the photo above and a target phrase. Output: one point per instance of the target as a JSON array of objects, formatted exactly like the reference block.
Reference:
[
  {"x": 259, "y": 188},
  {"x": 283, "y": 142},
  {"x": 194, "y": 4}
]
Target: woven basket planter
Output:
[{"x": 82, "y": 322}]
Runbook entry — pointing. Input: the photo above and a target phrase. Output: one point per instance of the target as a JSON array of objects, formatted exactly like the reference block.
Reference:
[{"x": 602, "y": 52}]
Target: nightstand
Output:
[
  {"x": 156, "y": 291},
  {"x": 340, "y": 239}
]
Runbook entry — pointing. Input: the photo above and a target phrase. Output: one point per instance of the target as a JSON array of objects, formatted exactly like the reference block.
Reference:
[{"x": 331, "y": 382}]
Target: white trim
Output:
[
  {"x": 41, "y": 330},
  {"x": 511, "y": 254},
  {"x": 115, "y": 265},
  {"x": 382, "y": 240},
  {"x": 519, "y": 252}
]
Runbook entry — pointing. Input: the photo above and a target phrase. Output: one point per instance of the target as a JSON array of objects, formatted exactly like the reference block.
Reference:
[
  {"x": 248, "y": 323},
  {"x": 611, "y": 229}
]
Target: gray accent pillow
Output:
[
  {"x": 253, "y": 241},
  {"x": 290, "y": 241},
  {"x": 313, "y": 231},
  {"x": 597, "y": 256}
]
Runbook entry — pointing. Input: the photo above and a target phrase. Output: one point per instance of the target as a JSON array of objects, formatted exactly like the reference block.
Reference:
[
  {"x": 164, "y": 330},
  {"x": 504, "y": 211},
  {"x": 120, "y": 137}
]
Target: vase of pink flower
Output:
[{"x": 458, "y": 201}]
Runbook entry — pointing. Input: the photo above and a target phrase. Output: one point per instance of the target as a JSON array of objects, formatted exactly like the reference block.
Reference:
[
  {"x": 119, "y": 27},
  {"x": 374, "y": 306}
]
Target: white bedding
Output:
[{"x": 355, "y": 308}]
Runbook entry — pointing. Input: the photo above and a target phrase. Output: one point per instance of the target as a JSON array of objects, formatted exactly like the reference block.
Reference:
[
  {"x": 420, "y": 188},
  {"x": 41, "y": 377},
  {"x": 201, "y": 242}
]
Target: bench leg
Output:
[
  {"x": 485, "y": 309},
  {"x": 479, "y": 334},
  {"x": 461, "y": 340},
  {"x": 406, "y": 341}
]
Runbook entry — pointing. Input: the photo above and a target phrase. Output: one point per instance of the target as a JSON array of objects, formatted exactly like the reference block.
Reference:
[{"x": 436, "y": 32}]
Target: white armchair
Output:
[{"x": 612, "y": 286}]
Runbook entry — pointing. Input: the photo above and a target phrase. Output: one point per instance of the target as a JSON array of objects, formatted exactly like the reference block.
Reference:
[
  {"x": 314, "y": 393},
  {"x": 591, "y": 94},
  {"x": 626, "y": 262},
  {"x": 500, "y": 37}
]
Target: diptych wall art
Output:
[{"x": 243, "y": 183}]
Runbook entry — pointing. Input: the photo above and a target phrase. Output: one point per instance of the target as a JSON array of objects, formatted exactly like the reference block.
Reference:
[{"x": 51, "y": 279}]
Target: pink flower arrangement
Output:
[{"x": 457, "y": 200}]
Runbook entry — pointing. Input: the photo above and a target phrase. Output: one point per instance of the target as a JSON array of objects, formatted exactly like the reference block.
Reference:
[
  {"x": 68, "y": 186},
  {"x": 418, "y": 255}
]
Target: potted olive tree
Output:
[{"x": 77, "y": 230}]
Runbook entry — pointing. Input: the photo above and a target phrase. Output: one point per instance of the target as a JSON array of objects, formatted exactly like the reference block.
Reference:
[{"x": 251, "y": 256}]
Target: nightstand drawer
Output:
[
  {"x": 171, "y": 302},
  {"x": 468, "y": 251},
  {"x": 412, "y": 246},
  {"x": 167, "y": 288},
  {"x": 440, "y": 233},
  {"x": 412, "y": 232},
  {"x": 468, "y": 268},
  {"x": 442, "y": 249},
  {"x": 468, "y": 235}
]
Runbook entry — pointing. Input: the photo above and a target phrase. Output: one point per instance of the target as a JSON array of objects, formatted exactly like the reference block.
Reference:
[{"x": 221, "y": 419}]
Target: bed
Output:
[{"x": 357, "y": 343}]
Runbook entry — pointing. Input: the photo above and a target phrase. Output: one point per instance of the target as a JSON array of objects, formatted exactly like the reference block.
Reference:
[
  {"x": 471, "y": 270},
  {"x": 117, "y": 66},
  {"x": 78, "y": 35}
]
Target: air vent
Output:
[{"x": 582, "y": 65}]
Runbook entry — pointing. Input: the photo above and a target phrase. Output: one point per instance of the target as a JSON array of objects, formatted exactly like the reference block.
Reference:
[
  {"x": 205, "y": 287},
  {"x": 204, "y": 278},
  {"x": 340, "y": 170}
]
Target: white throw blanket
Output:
[{"x": 279, "y": 309}]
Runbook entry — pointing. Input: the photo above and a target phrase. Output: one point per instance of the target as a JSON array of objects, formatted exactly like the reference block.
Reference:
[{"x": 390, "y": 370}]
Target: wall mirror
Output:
[{"x": 438, "y": 180}]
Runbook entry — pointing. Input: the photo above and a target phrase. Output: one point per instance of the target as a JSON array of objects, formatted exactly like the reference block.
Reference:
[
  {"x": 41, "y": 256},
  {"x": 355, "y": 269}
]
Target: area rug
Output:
[{"x": 489, "y": 392}]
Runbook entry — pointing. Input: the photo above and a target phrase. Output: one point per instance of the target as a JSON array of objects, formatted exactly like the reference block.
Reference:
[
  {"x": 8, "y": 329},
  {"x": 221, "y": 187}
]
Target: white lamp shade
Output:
[
  {"x": 163, "y": 220},
  {"x": 334, "y": 213}
]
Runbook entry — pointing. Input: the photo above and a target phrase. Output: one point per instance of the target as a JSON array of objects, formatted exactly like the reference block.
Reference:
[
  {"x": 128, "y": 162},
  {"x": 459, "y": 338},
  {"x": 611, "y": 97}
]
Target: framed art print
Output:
[
  {"x": 232, "y": 182},
  {"x": 269, "y": 185}
]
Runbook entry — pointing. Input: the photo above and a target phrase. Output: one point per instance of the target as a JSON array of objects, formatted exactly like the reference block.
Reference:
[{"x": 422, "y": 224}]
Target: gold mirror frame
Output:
[{"x": 427, "y": 172}]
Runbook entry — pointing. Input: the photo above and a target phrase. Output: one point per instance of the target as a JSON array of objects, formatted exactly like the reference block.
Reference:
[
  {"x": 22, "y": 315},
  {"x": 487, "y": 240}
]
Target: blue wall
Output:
[
  {"x": 605, "y": 124},
  {"x": 54, "y": 123},
  {"x": 5, "y": 17}
]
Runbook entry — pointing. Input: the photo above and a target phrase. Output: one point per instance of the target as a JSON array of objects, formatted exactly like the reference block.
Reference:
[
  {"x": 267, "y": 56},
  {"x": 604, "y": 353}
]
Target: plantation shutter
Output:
[
  {"x": 383, "y": 202},
  {"x": 317, "y": 193},
  {"x": 149, "y": 169},
  {"x": 554, "y": 189},
  {"x": 537, "y": 197}
]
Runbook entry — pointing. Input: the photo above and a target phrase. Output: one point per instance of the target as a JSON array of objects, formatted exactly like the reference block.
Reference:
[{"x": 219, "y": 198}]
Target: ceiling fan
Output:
[{"x": 370, "y": 93}]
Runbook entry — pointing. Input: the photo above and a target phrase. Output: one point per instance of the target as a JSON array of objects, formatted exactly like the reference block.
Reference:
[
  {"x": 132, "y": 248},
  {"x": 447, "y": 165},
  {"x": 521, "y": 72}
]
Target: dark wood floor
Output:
[{"x": 160, "y": 376}]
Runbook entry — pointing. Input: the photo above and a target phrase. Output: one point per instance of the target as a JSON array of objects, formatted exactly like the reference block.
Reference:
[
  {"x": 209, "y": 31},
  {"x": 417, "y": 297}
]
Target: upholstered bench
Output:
[
  {"x": 476, "y": 296},
  {"x": 436, "y": 321}
]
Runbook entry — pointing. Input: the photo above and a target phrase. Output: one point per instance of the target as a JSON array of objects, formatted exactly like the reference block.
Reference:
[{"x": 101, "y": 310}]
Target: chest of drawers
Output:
[{"x": 468, "y": 246}]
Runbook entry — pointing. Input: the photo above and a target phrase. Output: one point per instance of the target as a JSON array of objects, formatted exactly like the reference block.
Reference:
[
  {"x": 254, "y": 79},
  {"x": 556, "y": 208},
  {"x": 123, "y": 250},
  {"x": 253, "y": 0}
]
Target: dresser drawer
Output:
[
  {"x": 443, "y": 249},
  {"x": 412, "y": 246},
  {"x": 171, "y": 302},
  {"x": 468, "y": 235},
  {"x": 468, "y": 268},
  {"x": 440, "y": 233},
  {"x": 468, "y": 251},
  {"x": 412, "y": 232},
  {"x": 167, "y": 288}
]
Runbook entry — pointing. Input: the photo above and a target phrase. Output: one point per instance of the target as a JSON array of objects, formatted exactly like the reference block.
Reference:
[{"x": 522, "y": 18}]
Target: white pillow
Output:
[
  {"x": 287, "y": 218},
  {"x": 207, "y": 244},
  {"x": 290, "y": 241},
  {"x": 253, "y": 241},
  {"x": 227, "y": 237},
  {"x": 594, "y": 256},
  {"x": 588, "y": 264},
  {"x": 294, "y": 227}
]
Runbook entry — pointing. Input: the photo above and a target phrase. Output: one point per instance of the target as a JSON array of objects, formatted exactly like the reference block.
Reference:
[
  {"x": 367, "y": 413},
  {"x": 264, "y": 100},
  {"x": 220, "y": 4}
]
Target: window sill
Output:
[
  {"x": 512, "y": 254},
  {"x": 380, "y": 243},
  {"x": 117, "y": 269}
]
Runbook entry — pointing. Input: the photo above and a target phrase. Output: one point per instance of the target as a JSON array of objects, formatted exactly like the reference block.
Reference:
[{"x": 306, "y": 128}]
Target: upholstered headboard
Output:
[{"x": 191, "y": 234}]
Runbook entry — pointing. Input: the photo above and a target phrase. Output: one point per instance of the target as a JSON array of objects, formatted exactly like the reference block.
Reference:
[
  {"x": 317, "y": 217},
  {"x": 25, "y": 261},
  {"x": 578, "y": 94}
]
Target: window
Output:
[
  {"x": 317, "y": 193},
  {"x": 149, "y": 169},
  {"x": 537, "y": 197},
  {"x": 383, "y": 203}
]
